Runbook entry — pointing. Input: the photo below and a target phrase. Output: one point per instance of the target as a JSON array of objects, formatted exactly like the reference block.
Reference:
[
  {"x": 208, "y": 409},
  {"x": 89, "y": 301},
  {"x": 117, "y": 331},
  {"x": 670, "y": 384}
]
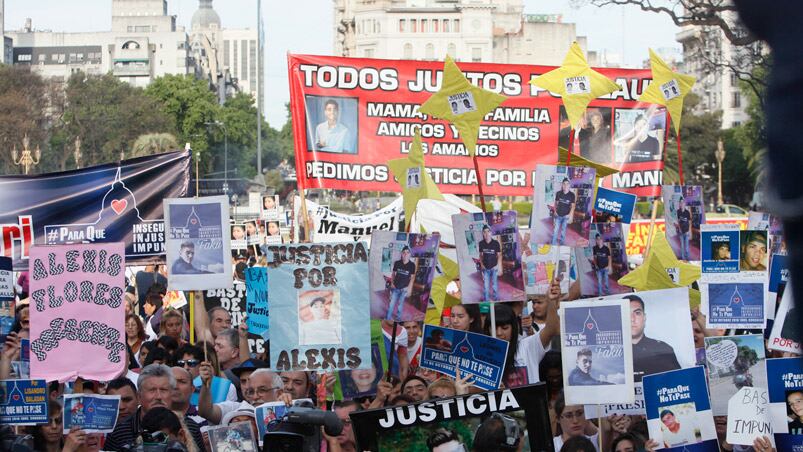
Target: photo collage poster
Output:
[
  {"x": 603, "y": 262},
  {"x": 197, "y": 243},
  {"x": 489, "y": 254},
  {"x": 544, "y": 263},
  {"x": 562, "y": 206},
  {"x": 401, "y": 268},
  {"x": 734, "y": 362},
  {"x": 597, "y": 355},
  {"x": 638, "y": 134}
]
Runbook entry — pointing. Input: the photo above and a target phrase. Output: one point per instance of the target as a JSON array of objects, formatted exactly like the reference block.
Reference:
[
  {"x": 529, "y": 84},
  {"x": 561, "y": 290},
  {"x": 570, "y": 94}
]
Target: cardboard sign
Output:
[
  {"x": 597, "y": 353},
  {"x": 734, "y": 362},
  {"x": 563, "y": 200},
  {"x": 327, "y": 226},
  {"x": 489, "y": 256},
  {"x": 407, "y": 427},
  {"x": 401, "y": 269},
  {"x": 319, "y": 307},
  {"x": 613, "y": 206},
  {"x": 91, "y": 413},
  {"x": 256, "y": 300},
  {"x": 603, "y": 262},
  {"x": 748, "y": 416},
  {"x": 447, "y": 350},
  {"x": 684, "y": 212},
  {"x": 197, "y": 240},
  {"x": 785, "y": 378},
  {"x": 23, "y": 402},
  {"x": 544, "y": 263},
  {"x": 234, "y": 301},
  {"x": 77, "y": 311},
  {"x": 678, "y": 408}
]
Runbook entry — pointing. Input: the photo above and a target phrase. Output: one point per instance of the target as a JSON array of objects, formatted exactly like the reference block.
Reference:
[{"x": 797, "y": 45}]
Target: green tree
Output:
[
  {"x": 277, "y": 145},
  {"x": 22, "y": 112},
  {"x": 153, "y": 143},
  {"x": 108, "y": 115},
  {"x": 698, "y": 135},
  {"x": 752, "y": 135},
  {"x": 190, "y": 105}
]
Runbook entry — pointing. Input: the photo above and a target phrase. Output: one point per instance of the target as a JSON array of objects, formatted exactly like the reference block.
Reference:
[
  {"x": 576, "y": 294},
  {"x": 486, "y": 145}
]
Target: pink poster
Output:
[{"x": 77, "y": 311}]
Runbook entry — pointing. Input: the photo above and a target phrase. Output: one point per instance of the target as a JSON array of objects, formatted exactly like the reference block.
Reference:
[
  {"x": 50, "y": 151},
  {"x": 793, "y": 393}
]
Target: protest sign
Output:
[
  {"x": 563, "y": 200},
  {"x": 377, "y": 104},
  {"x": 678, "y": 408},
  {"x": 401, "y": 269},
  {"x": 448, "y": 351},
  {"x": 613, "y": 206},
  {"x": 320, "y": 294},
  {"x": 273, "y": 232},
  {"x": 522, "y": 410},
  {"x": 719, "y": 248},
  {"x": 253, "y": 235},
  {"x": 753, "y": 247},
  {"x": 238, "y": 241},
  {"x": 256, "y": 300},
  {"x": 748, "y": 416},
  {"x": 778, "y": 277},
  {"x": 77, "y": 311},
  {"x": 269, "y": 208},
  {"x": 640, "y": 230},
  {"x": 219, "y": 389},
  {"x": 627, "y": 409},
  {"x": 596, "y": 332},
  {"x": 174, "y": 299},
  {"x": 785, "y": 335},
  {"x": 660, "y": 330},
  {"x": 603, "y": 262},
  {"x": 23, "y": 402},
  {"x": 684, "y": 212},
  {"x": 734, "y": 304},
  {"x": 785, "y": 389},
  {"x": 734, "y": 362},
  {"x": 116, "y": 202},
  {"x": 238, "y": 436},
  {"x": 762, "y": 221},
  {"x": 91, "y": 413},
  {"x": 328, "y": 226},
  {"x": 6, "y": 279},
  {"x": 197, "y": 243},
  {"x": 542, "y": 264},
  {"x": 234, "y": 301},
  {"x": 489, "y": 256}
]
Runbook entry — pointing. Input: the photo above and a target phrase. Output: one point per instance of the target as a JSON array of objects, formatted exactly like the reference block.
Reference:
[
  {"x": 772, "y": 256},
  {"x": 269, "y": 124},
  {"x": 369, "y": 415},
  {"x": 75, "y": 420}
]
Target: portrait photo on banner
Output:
[
  {"x": 489, "y": 253},
  {"x": 332, "y": 124},
  {"x": 660, "y": 330},
  {"x": 684, "y": 213},
  {"x": 358, "y": 383},
  {"x": 563, "y": 201},
  {"x": 638, "y": 134},
  {"x": 401, "y": 269},
  {"x": 603, "y": 262},
  {"x": 198, "y": 243},
  {"x": 269, "y": 209}
]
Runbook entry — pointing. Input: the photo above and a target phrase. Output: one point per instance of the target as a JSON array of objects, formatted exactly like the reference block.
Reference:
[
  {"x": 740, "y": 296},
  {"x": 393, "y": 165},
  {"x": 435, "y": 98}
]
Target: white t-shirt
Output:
[
  {"x": 411, "y": 351},
  {"x": 558, "y": 441},
  {"x": 529, "y": 354},
  {"x": 685, "y": 435},
  {"x": 323, "y": 331}
]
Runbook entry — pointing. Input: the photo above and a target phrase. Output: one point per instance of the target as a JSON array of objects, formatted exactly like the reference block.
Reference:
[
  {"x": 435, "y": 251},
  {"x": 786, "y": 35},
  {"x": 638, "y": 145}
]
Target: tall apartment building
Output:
[
  {"x": 467, "y": 30},
  {"x": 717, "y": 85}
]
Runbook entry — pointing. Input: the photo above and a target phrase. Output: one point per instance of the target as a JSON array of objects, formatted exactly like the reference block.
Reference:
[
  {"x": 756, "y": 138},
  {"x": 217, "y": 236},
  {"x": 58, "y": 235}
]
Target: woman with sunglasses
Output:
[{"x": 48, "y": 437}]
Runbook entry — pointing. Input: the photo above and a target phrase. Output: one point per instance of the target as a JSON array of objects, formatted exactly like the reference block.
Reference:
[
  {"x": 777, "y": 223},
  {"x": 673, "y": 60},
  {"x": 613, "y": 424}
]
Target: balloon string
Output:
[
  {"x": 479, "y": 182},
  {"x": 571, "y": 147},
  {"x": 680, "y": 161}
]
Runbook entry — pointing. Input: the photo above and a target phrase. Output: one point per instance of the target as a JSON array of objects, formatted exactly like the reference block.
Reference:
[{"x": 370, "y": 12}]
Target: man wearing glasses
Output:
[{"x": 259, "y": 385}]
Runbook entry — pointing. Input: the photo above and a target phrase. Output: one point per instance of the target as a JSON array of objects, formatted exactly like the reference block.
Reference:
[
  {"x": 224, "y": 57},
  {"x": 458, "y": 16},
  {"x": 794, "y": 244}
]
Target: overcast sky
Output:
[{"x": 305, "y": 26}]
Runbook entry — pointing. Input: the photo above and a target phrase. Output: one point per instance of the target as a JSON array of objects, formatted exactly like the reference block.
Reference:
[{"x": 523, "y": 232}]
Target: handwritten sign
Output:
[
  {"x": 77, "y": 311},
  {"x": 748, "y": 416},
  {"x": 256, "y": 300}
]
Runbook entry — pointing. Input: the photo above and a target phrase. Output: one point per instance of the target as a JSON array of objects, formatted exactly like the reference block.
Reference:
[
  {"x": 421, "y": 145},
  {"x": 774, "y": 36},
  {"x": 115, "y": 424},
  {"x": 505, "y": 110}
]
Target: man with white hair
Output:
[
  {"x": 155, "y": 388},
  {"x": 262, "y": 386}
]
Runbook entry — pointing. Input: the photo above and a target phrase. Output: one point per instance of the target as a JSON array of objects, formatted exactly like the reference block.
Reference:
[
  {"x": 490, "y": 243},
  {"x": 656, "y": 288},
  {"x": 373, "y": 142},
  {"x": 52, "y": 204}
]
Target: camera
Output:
[{"x": 299, "y": 429}]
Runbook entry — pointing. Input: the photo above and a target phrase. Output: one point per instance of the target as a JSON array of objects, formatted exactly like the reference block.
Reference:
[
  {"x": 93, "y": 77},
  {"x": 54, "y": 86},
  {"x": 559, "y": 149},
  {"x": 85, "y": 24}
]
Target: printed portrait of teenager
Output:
[
  {"x": 604, "y": 262},
  {"x": 594, "y": 135},
  {"x": 237, "y": 232},
  {"x": 794, "y": 411},
  {"x": 753, "y": 251},
  {"x": 319, "y": 317},
  {"x": 683, "y": 214},
  {"x": 332, "y": 124},
  {"x": 639, "y": 134},
  {"x": 678, "y": 425},
  {"x": 358, "y": 383},
  {"x": 563, "y": 201},
  {"x": 270, "y": 202}
]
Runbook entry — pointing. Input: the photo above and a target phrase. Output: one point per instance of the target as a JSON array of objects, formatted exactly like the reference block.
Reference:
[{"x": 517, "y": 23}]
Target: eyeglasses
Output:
[
  {"x": 154, "y": 438},
  {"x": 262, "y": 390},
  {"x": 188, "y": 362},
  {"x": 579, "y": 414}
]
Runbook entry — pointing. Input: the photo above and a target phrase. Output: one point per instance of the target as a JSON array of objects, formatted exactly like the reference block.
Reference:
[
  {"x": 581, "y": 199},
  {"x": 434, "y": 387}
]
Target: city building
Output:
[
  {"x": 467, "y": 30},
  {"x": 706, "y": 52},
  {"x": 7, "y": 43}
]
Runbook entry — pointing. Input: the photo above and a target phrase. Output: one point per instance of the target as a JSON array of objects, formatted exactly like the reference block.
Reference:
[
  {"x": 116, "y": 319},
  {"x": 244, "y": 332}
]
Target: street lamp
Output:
[
  {"x": 77, "y": 152},
  {"x": 225, "y": 154},
  {"x": 720, "y": 156},
  {"x": 26, "y": 161}
]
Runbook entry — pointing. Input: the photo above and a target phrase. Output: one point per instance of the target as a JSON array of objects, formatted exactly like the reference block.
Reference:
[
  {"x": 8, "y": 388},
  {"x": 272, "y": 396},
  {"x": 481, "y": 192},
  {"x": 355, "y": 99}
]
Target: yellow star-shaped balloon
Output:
[
  {"x": 667, "y": 88},
  {"x": 653, "y": 273},
  {"x": 416, "y": 183},
  {"x": 461, "y": 103},
  {"x": 438, "y": 294},
  {"x": 576, "y": 82}
]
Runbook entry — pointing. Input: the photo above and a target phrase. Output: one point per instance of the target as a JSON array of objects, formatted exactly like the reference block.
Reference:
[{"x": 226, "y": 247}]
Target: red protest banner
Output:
[{"x": 351, "y": 115}]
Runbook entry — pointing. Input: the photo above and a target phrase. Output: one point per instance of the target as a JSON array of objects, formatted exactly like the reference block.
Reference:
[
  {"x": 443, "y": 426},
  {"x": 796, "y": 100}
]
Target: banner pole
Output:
[
  {"x": 392, "y": 350},
  {"x": 571, "y": 147},
  {"x": 192, "y": 320},
  {"x": 304, "y": 217},
  {"x": 680, "y": 161},
  {"x": 601, "y": 420},
  {"x": 493, "y": 320},
  {"x": 479, "y": 182}
]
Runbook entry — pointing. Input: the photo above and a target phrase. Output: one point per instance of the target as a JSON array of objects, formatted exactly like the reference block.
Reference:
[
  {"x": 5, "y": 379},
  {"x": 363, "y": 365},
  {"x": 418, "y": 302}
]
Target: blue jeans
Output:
[
  {"x": 396, "y": 296},
  {"x": 489, "y": 276},
  {"x": 684, "y": 245},
  {"x": 559, "y": 224},
  {"x": 602, "y": 279}
]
